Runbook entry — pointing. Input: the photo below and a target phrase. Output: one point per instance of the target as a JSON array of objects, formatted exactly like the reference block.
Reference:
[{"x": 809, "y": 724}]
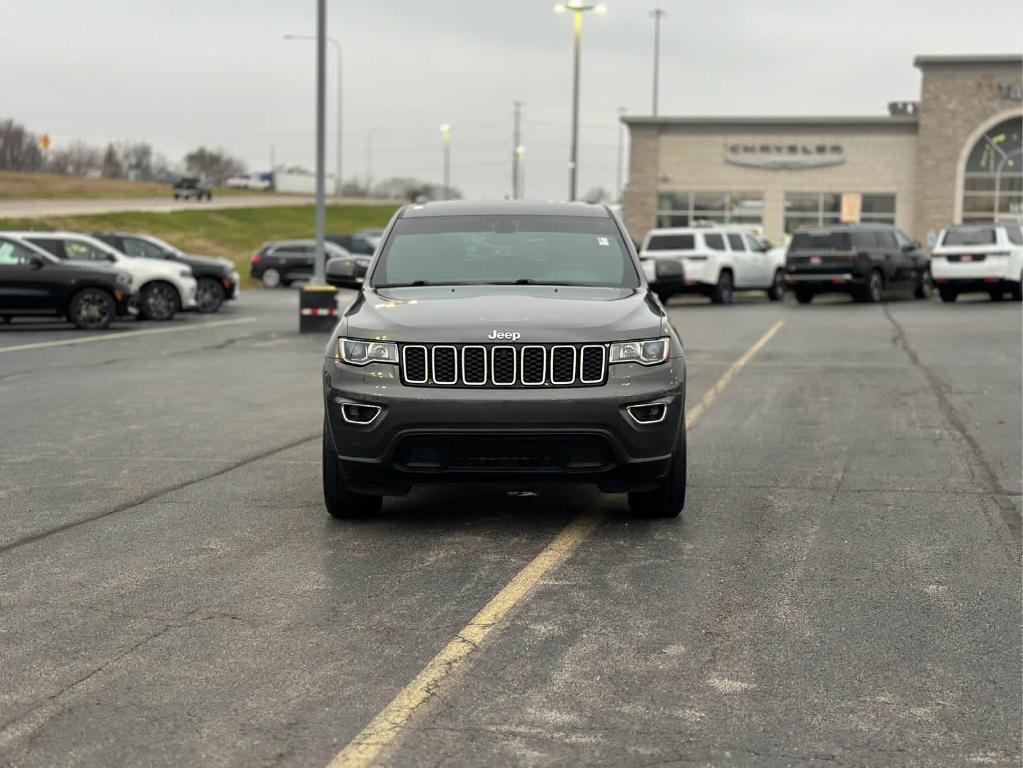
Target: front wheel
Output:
[
  {"x": 777, "y": 290},
  {"x": 804, "y": 295},
  {"x": 158, "y": 301},
  {"x": 723, "y": 290},
  {"x": 996, "y": 295},
  {"x": 924, "y": 285},
  {"x": 668, "y": 499},
  {"x": 91, "y": 309},
  {"x": 209, "y": 295},
  {"x": 339, "y": 501}
]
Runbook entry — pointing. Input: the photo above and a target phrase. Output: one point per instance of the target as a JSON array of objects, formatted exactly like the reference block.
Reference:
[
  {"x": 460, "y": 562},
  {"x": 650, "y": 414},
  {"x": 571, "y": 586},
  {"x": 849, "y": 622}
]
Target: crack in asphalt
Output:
[
  {"x": 1010, "y": 516},
  {"x": 33, "y": 537}
]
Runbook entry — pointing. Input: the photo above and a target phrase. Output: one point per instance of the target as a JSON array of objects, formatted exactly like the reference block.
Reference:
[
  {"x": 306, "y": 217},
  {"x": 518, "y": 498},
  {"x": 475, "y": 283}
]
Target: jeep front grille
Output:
[{"x": 504, "y": 365}]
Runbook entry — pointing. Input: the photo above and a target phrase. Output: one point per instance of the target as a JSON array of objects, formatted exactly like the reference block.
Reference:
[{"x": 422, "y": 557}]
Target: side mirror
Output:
[
  {"x": 917, "y": 244},
  {"x": 343, "y": 272},
  {"x": 36, "y": 262}
]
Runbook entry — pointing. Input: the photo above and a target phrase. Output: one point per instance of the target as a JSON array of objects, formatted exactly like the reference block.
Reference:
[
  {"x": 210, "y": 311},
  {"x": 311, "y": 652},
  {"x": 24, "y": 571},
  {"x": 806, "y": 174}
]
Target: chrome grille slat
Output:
[{"x": 504, "y": 365}]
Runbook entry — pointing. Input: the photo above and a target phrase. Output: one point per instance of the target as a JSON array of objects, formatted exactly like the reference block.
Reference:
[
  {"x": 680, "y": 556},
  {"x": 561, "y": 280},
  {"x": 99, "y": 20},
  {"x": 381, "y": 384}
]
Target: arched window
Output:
[{"x": 993, "y": 183}]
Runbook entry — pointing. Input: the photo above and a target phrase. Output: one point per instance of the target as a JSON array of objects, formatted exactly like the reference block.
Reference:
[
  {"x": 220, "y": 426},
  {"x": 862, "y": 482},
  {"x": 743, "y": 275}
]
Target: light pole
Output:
[
  {"x": 621, "y": 153},
  {"x": 445, "y": 135},
  {"x": 578, "y": 8},
  {"x": 520, "y": 170},
  {"x": 658, "y": 14},
  {"x": 340, "y": 101}
]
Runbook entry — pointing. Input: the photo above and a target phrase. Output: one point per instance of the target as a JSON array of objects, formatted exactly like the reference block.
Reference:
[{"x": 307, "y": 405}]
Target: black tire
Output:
[
  {"x": 5, "y": 319},
  {"x": 159, "y": 301},
  {"x": 340, "y": 502},
  {"x": 924, "y": 285},
  {"x": 1017, "y": 290},
  {"x": 209, "y": 295},
  {"x": 92, "y": 309},
  {"x": 804, "y": 295},
  {"x": 948, "y": 294},
  {"x": 669, "y": 498},
  {"x": 871, "y": 293},
  {"x": 996, "y": 295},
  {"x": 777, "y": 290},
  {"x": 723, "y": 292}
]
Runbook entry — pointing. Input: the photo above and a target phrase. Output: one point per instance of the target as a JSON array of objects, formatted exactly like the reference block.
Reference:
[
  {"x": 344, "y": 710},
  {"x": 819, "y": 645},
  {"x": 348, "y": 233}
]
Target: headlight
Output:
[
  {"x": 364, "y": 352},
  {"x": 648, "y": 352}
]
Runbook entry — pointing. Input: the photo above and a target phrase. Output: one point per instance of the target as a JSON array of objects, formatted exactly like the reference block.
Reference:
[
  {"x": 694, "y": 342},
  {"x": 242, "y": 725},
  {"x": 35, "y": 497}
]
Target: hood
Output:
[
  {"x": 208, "y": 261},
  {"x": 155, "y": 265},
  {"x": 470, "y": 314}
]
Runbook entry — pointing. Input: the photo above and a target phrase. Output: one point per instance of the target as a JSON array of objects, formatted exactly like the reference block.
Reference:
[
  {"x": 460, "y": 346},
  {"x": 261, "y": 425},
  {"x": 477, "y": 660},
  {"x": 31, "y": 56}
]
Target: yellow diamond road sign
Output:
[{"x": 45, "y": 141}]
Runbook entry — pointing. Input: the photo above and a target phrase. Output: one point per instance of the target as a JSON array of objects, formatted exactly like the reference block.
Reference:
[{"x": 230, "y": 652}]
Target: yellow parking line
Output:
[
  {"x": 388, "y": 724},
  {"x": 127, "y": 334},
  {"x": 727, "y": 376}
]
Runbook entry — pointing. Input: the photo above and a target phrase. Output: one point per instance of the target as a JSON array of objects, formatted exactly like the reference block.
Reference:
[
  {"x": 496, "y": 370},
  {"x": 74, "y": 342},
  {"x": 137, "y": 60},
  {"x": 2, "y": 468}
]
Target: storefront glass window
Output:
[
  {"x": 993, "y": 185},
  {"x": 815, "y": 209},
  {"x": 683, "y": 209}
]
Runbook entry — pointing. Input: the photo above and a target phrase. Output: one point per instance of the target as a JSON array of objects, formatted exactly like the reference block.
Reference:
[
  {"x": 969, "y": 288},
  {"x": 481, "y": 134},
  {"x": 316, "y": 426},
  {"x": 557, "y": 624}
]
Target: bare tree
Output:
[
  {"x": 111, "y": 167},
  {"x": 19, "y": 149},
  {"x": 215, "y": 165},
  {"x": 137, "y": 160},
  {"x": 82, "y": 158}
]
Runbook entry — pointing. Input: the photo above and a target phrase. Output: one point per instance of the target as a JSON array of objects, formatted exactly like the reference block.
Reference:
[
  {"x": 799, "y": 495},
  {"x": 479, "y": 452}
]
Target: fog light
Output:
[
  {"x": 358, "y": 413},
  {"x": 648, "y": 413}
]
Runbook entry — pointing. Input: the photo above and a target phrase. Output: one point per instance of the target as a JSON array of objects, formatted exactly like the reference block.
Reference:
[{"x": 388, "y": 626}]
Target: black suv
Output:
[
  {"x": 217, "y": 279},
  {"x": 861, "y": 260},
  {"x": 34, "y": 283},
  {"x": 508, "y": 342},
  {"x": 353, "y": 244},
  {"x": 188, "y": 187}
]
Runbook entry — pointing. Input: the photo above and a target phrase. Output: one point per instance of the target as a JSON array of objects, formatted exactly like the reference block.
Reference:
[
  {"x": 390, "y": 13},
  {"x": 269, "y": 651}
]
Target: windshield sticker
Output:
[{"x": 603, "y": 241}]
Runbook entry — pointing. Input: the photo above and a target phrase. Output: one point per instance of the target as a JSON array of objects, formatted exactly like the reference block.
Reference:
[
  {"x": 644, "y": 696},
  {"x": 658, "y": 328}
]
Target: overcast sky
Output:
[{"x": 179, "y": 73}]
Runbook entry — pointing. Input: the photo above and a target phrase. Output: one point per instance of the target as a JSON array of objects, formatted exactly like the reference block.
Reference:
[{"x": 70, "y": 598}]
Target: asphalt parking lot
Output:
[{"x": 843, "y": 588}]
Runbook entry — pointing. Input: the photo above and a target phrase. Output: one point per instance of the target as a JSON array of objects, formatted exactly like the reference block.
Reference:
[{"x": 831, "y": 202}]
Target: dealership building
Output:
[{"x": 952, "y": 156}]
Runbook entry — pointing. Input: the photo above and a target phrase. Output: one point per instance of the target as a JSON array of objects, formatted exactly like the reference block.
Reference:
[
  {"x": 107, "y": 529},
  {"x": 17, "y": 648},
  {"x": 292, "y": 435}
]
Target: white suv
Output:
[
  {"x": 979, "y": 258},
  {"x": 716, "y": 261},
  {"x": 161, "y": 287}
]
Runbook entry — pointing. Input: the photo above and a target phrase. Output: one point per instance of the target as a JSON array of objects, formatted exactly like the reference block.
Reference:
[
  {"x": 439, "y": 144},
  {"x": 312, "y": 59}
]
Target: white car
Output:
[
  {"x": 979, "y": 258},
  {"x": 716, "y": 262},
  {"x": 162, "y": 287}
]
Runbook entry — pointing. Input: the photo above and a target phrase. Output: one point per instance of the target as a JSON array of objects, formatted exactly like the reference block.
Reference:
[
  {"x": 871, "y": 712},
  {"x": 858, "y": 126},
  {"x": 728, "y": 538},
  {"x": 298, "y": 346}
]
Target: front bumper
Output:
[
  {"x": 636, "y": 455},
  {"x": 187, "y": 289}
]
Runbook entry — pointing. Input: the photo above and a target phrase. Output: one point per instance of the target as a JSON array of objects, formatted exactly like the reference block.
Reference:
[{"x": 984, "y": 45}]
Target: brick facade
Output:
[{"x": 960, "y": 98}]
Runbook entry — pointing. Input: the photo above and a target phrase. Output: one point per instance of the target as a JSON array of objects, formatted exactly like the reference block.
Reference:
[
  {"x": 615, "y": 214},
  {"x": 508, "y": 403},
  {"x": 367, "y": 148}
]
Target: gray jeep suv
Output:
[{"x": 503, "y": 342}]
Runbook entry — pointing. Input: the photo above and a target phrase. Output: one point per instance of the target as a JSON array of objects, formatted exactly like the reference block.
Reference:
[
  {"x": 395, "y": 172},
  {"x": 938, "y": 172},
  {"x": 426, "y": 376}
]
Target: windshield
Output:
[
  {"x": 505, "y": 249},
  {"x": 970, "y": 236},
  {"x": 824, "y": 240}
]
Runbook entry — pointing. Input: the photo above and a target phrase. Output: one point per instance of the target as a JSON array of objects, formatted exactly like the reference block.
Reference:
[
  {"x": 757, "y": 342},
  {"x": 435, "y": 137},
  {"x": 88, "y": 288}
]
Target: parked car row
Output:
[
  {"x": 93, "y": 279},
  {"x": 861, "y": 260},
  {"x": 283, "y": 262}
]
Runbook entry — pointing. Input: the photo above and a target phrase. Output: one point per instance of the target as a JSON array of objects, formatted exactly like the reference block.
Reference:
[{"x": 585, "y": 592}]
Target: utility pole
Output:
[
  {"x": 658, "y": 14},
  {"x": 516, "y": 145},
  {"x": 321, "y": 143},
  {"x": 621, "y": 153}
]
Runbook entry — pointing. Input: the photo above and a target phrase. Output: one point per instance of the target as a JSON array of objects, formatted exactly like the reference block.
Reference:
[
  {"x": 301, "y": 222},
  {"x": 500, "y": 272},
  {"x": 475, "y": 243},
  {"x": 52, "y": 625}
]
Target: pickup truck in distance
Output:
[{"x": 189, "y": 187}]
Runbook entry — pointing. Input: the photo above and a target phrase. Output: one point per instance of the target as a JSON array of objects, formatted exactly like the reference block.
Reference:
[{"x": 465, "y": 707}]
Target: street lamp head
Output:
[
  {"x": 600, "y": 10},
  {"x": 560, "y": 8}
]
